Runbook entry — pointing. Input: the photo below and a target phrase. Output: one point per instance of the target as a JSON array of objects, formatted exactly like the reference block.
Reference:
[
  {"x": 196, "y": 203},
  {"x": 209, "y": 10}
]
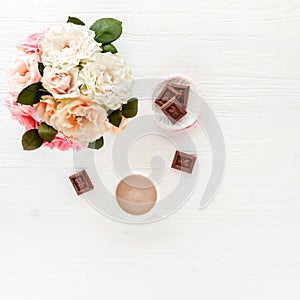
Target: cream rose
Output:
[
  {"x": 108, "y": 79},
  {"x": 61, "y": 83},
  {"x": 80, "y": 119},
  {"x": 69, "y": 45},
  {"x": 45, "y": 109}
]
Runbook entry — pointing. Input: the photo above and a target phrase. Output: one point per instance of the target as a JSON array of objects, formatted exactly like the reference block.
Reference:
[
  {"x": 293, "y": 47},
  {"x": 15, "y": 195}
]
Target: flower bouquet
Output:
[{"x": 69, "y": 86}]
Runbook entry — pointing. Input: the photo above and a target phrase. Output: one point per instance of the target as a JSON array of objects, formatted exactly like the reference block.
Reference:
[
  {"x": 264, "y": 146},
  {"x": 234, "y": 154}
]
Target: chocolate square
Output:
[
  {"x": 184, "y": 162},
  {"x": 184, "y": 91},
  {"x": 173, "y": 110},
  {"x": 81, "y": 182},
  {"x": 166, "y": 94}
]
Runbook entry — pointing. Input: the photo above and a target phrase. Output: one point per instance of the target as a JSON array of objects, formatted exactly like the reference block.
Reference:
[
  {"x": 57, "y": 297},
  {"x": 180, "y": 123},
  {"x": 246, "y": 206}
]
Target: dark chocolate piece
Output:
[
  {"x": 166, "y": 94},
  {"x": 81, "y": 182},
  {"x": 184, "y": 162},
  {"x": 173, "y": 110},
  {"x": 184, "y": 92}
]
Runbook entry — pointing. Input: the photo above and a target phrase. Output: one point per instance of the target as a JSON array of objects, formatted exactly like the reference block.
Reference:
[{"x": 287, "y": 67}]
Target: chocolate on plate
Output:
[
  {"x": 81, "y": 182},
  {"x": 166, "y": 94},
  {"x": 184, "y": 162},
  {"x": 184, "y": 91},
  {"x": 173, "y": 110}
]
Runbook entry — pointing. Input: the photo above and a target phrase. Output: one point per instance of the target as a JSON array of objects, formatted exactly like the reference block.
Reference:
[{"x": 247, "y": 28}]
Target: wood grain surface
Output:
[{"x": 244, "y": 58}]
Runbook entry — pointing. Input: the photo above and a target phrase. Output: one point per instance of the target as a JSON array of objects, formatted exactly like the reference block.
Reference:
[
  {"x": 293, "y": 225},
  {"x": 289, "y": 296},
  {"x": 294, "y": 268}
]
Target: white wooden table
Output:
[{"x": 244, "y": 56}]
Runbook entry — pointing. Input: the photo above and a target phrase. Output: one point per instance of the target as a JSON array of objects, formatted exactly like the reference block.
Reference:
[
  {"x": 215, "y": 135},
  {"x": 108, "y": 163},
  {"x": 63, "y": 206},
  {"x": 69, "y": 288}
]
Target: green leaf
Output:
[
  {"x": 44, "y": 92},
  {"x": 107, "y": 30},
  {"x": 130, "y": 109},
  {"x": 41, "y": 68},
  {"x": 115, "y": 118},
  {"x": 110, "y": 48},
  {"x": 31, "y": 140},
  {"x": 98, "y": 144},
  {"x": 47, "y": 132},
  {"x": 31, "y": 94},
  {"x": 75, "y": 21}
]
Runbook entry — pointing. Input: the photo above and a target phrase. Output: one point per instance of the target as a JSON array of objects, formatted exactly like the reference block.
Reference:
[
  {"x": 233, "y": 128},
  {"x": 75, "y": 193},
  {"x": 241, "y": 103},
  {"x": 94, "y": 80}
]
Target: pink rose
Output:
[
  {"x": 25, "y": 114},
  {"x": 62, "y": 143},
  {"x": 61, "y": 83},
  {"x": 31, "y": 43},
  {"x": 23, "y": 72}
]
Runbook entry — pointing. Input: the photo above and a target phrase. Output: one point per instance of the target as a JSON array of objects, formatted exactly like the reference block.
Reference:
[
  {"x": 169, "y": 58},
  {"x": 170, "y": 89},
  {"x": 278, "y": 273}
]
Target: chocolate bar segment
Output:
[
  {"x": 184, "y": 162},
  {"x": 81, "y": 182},
  {"x": 184, "y": 92},
  {"x": 166, "y": 94},
  {"x": 173, "y": 110}
]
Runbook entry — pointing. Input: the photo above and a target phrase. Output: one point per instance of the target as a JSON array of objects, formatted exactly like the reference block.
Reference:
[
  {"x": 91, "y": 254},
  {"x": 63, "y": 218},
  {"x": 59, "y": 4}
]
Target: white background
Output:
[{"x": 244, "y": 57}]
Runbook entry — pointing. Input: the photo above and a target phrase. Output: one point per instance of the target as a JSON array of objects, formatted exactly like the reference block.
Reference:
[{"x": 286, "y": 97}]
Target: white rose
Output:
[
  {"x": 108, "y": 79},
  {"x": 79, "y": 119},
  {"x": 61, "y": 83},
  {"x": 69, "y": 45}
]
